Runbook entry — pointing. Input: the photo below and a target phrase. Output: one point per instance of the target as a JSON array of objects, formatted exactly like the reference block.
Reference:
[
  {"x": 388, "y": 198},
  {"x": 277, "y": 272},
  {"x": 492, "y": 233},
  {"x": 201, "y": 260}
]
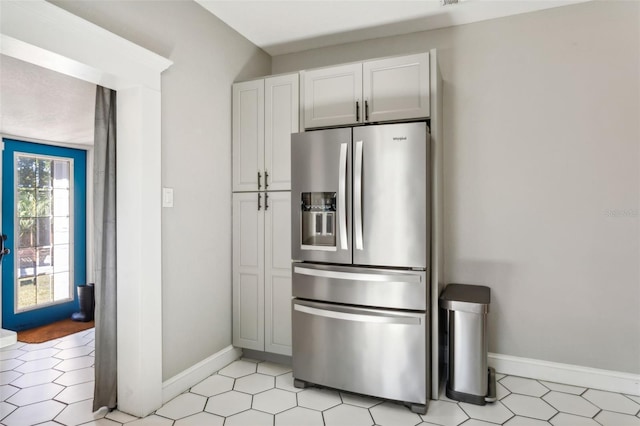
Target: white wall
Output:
[
  {"x": 207, "y": 58},
  {"x": 541, "y": 168}
]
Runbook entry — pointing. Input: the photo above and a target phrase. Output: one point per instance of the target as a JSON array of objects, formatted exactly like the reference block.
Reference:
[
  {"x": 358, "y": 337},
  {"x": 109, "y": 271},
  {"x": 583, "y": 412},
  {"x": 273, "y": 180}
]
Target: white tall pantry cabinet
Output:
[{"x": 265, "y": 113}]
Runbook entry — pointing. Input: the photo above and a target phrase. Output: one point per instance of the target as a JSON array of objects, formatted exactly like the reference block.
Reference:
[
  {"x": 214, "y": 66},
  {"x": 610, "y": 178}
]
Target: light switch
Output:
[{"x": 167, "y": 197}]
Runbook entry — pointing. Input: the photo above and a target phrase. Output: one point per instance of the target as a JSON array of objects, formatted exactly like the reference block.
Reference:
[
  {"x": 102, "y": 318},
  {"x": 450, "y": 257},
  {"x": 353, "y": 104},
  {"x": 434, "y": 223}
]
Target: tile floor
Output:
[{"x": 52, "y": 384}]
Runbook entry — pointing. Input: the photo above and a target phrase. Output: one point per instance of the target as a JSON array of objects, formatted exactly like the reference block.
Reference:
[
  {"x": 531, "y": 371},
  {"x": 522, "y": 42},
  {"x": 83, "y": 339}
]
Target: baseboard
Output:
[
  {"x": 7, "y": 338},
  {"x": 197, "y": 373},
  {"x": 613, "y": 381}
]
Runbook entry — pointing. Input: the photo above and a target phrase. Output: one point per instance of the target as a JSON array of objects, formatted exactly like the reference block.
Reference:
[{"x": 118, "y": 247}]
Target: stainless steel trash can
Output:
[{"x": 470, "y": 379}]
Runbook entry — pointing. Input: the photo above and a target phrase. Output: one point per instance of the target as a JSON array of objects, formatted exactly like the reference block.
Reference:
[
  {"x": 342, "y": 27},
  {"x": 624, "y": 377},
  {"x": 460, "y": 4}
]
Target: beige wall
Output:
[
  {"x": 541, "y": 133},
  {"x": 207, "y": 58}
]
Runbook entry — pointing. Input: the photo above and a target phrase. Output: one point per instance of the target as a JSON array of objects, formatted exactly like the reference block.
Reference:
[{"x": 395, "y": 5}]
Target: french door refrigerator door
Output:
[
  {"x": 375, "y": 352},
  {"x": 391, "y": 195},
  {"x": 321, "y": 196}
]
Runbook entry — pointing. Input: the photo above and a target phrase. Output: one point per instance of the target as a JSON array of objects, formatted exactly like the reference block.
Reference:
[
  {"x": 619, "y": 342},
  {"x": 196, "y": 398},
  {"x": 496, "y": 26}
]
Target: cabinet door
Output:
[
  {"x": 396, "y": 88},
  {"x": 248, "y": 135},
  {"x": 333, "y": 96},
  {"x": 278, "y": 273},
  {"x": 281, "y": 119},
  {"x": 248, "y": 270}
]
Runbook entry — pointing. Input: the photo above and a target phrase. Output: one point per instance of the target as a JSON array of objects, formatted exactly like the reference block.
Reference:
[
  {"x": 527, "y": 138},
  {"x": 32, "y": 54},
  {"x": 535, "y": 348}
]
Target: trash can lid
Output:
[{"x": 467, "y": 298}]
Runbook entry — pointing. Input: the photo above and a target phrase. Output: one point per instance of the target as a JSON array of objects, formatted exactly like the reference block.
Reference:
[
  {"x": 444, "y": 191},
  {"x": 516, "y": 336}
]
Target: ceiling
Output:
[
  {"x": 281, "y": 27},
  {"x": 37, "y": 103}
]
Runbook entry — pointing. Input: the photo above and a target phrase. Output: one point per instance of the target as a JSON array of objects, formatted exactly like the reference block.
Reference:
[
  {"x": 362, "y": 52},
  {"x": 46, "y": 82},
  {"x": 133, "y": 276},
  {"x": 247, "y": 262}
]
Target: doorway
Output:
[{"x": 44, "y": 218}]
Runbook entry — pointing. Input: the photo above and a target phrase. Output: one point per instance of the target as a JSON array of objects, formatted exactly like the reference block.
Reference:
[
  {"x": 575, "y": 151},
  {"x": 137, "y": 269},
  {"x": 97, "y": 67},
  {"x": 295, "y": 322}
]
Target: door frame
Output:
[{"x": 48, "y": 36}]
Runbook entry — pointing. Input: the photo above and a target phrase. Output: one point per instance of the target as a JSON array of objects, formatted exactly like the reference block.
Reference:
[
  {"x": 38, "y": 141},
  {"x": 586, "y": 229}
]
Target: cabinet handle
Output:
[
  {"x": 357, "y": 111},
  {"x": 266, "y": 202},
  {"x": 259, "y": 199},
  {"x": 266, "y": 179},
  {"x": 259, "y": 176},
  {"x": 366, "y": 110}
]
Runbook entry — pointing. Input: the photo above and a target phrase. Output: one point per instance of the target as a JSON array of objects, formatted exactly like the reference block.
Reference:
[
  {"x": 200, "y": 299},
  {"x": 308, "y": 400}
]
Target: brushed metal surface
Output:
[
  {"x": 357, "y": 195},
  {"x": 381, "y": 359},
  {"x": 395, "y": 195},
  {"x": 385, "y": 288},
  {"x": 316, "y": 167},
  {"x": 468, "y": 346}
]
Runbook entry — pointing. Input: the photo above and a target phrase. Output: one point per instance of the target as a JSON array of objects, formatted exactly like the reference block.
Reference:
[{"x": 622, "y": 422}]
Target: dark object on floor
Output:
[
  {"x": 85, "y": 297},
  {"x": 53, "y": 331}
]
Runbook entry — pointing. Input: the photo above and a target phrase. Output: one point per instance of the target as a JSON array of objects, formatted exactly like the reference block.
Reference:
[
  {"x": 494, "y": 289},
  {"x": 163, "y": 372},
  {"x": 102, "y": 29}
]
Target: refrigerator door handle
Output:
[
  {"x": 357, "y": 196},
  {"x": 355, "y": 276},
  {"x": 342, "y": 197},
  {"x": 354, "y": 314}
]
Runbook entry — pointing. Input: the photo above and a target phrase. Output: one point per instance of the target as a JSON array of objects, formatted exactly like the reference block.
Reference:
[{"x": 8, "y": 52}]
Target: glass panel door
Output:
[{"x": 43, "y": 214}]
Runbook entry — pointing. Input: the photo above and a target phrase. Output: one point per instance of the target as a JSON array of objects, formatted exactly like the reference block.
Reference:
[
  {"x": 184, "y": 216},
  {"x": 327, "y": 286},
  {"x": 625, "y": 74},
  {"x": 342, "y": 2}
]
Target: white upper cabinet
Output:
[
  {"x": 265, "y": 113},
  {"x": 248, "y": 134},
  {"x": 333, "y": 96},
  {"x": 396, "y": 88},
  {"x": 281, "y": 118},
  {"x": 378, "y": 90}
]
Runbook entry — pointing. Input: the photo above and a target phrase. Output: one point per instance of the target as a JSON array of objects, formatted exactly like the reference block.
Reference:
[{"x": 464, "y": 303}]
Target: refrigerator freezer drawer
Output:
[
  {"x": 374, "y": 352},
  {"x": 383, "y": 288}
]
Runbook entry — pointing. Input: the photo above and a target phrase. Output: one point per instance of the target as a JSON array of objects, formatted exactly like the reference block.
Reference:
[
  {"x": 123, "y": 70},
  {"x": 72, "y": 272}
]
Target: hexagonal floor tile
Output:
[
  {"x": 76, "y": 363},
  {"x": 347, "y": 415},
  {"x": 152, "y": 420},
  {"x": 10, "y": 364},
  {"x": 228, "y": 403},
  {"x": 7, "y": 377},
  {"x": 76, "y": 393},
  {"x": 6, "y": 409},
  {"x": 75, "y": 377},
  {"x": 213, "y": 385},
  {"x": 523, "y": 386},
  {"x": 558, "y": 387},
  {"x": 254, "y": 383},
  {"x": 529, "y": 406},
  {"x": 78, "y": 413},
  {"x": 74, "y": 352},
  {"x": 38, "y": 365},
  {"x": 571, "y": 404},
  {"x": 359, "y": 400},
  {"x": 525, "y": 421},
  {"x": 200, "y": 419},
  {"x": 238, "y": 369},
  {"x": 34, "y": 394},
  {"x": 11, "y": 354},
  {"x": 39, "y": 354},
  {"x": 612, "y": 401},
  {"x": 250, "y": 417},
  {"x": 120, "y": 417},
  {"x": 444, "y": 413},
  {"x": 182, "y": 406},
  {"x": 318, "y": 399},
  {"x": 273, "y": 369},
  {"x": 34, "y": 413},
  {"x": 564, "y": 419},
  {"x": 394, "y": 414},
  {"x": 36, "y": 378},
  {"x": 285, "y": 382},
  {"x": 501, "y": 391},
  {"x": 493, "y": 413},
  {"x": 299, "y": 416},
  {"x": 609, "y": 418},
  {"x": 6, "y": 391},
  {"x": 274, "y": 401}
]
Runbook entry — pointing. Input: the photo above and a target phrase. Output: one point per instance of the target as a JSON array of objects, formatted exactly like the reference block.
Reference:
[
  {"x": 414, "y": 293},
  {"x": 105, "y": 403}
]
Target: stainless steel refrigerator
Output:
[{"x": 361, "y": 253}]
